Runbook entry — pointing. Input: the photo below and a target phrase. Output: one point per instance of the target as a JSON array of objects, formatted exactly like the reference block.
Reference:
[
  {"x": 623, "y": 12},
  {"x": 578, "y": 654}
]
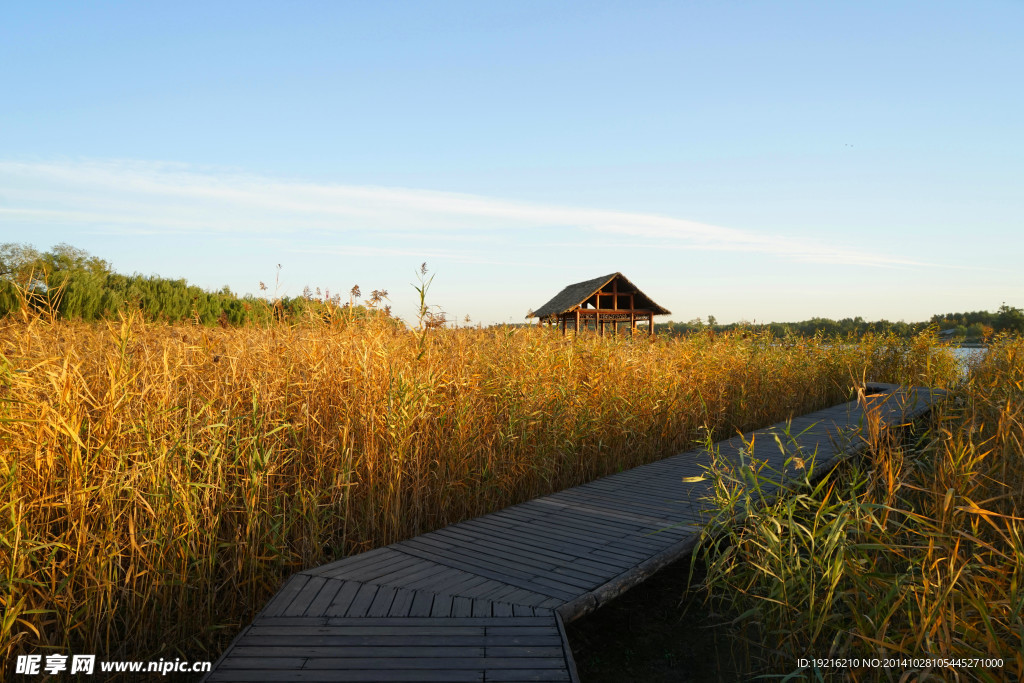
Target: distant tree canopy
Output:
[
  {"x": 975, "y": 325},
  {"x": 1006, "y": 319},
  {"x": 73, "y": 284}
]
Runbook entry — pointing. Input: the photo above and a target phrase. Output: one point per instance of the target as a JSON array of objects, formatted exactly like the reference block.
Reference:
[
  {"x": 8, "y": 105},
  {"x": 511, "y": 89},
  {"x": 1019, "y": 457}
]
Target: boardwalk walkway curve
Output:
[{"x": 485, "y": 599}]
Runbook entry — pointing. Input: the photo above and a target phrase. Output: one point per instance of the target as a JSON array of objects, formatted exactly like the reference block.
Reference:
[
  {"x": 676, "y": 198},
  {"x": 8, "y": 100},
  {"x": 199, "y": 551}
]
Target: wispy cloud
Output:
[{"x": 141, "y": 197}]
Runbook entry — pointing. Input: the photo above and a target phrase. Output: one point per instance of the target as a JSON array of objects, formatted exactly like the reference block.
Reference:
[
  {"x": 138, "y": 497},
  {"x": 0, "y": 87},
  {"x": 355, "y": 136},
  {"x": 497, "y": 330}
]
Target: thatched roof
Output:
[{"x": 574, "y": 295}]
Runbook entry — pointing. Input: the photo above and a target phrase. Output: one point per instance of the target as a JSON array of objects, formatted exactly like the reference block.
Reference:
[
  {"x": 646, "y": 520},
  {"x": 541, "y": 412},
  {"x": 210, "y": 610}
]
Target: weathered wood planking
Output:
[{"x": 485, "y": 599}]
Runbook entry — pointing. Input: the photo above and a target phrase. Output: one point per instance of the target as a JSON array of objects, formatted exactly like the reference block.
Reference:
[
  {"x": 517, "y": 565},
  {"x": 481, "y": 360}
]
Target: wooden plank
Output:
[
  {"x": 666, "y": 480},
  {"x": 549, "y": 604},
  {"x": 506, "y": 529},
  {"x": 644, "y": 493},
  {"x": 670, "y": 501},
  {"x": 444, "y": 543},
  {"x": 567, "y": 542},
  {"x": 522, "y": 596},
  {"x": 352, "y": 560},
  {"x": 577, "y": 526},
  {"x": 525, "y": 651},
  {"x": 500, "y": 591},
  {"x": 450, "y": 663},
  {"x": 641, "y": 507},
  {"x": 381, "y": 604},
  {"x": 493, "y": 547},
  {"x": 485, "y": 569},
  {"x": 461, "y": 580},
  {"x": 292, "y": 621},
  {"x": 442, "y": 606},
  {"x": 556, "y": 580},
  {"x": 523, "y": 675},
  {"x": 291, "y": 588},
  {"x": 611, "y": 510},
  {"x": 513, "y": 543},
  {"x": 382, "y": 568},
  {"x": 547, "y": 514},
  {"x": 325, "y": 597},
  {"x": 499, "y": 559},
  {"x": 503, "y": 609},
  {"x": 563, "y": 527},
  {"x": 243, "y": 661},
  {"x": 343, "y": 599},
  {"x": 428, "y": 622},
  {"x": 570, "y": 663},
  {"x": 358, "y": 676},
  {"x": 462, "y": 606},
  {"x": 651, "y": 517},
  {"x": 362, "y": 600},
  {"x": 421, "y": 604},
  {"x": 434, "y": 582},
  {"x": 402, "y": 603},
  {"x": 302, "y": 652},
  {"x": 482, "y": 608},
  {"x": 407, "y": 572},
  {"x": 480, "y": 567},
  {"x": 300, "y": 602},
  {"x": 362, "y": 641},
  {"x": 548, "y": 628},
  {"x": 356, "y": 563},
  {"x": 610, "y": 553},
  {"x": 570, "y": 541},
  {"x": 424, "y": 627},
  {"x": 526, "y": 545},
  {"x": 486, "y": 588},
  {"x": 598, "y": 523}
]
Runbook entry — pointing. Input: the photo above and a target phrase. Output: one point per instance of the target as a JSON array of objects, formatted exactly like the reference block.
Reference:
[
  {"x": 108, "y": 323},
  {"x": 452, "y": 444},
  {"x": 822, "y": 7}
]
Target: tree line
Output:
[
  {"x": 70, "y": 283},
  {"x": 973, "y": 326},
  {"x": 73, "y": 284}
]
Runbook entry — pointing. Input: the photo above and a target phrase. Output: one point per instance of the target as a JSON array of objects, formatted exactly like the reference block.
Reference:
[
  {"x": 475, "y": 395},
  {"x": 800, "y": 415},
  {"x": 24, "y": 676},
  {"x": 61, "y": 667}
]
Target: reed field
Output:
[
  {"x": 913, "y": 551},
  {"x": 158, "y": 481}
]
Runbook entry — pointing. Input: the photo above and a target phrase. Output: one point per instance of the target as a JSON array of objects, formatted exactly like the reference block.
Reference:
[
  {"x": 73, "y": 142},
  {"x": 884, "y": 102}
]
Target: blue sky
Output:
[{"x": 754, "y": 161}]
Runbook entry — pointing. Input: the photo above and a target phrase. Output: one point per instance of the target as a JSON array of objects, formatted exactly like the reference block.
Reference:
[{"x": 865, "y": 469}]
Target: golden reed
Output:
[{"x": 158, "y": 481}]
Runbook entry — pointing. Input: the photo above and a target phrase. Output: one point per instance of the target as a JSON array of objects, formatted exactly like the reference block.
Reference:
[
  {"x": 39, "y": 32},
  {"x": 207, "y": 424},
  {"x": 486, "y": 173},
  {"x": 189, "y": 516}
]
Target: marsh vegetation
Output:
[
  {"x": 907, "y": 552},
  {"x": 160, "y": 480}
]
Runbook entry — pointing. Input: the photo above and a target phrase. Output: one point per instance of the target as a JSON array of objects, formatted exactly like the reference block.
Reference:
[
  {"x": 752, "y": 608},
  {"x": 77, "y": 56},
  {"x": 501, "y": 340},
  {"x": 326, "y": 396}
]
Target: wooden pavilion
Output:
[{"x": 607, "y": 300}]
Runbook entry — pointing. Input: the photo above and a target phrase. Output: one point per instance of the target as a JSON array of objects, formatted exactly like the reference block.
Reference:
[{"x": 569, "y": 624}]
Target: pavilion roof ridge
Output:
[{"x": 574, "y": 295}]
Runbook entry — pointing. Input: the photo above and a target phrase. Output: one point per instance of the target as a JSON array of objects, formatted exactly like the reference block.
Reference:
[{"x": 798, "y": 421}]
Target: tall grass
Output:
[
  {"x": 158, "y": 481},
  {"x": 914, "y": 550}
]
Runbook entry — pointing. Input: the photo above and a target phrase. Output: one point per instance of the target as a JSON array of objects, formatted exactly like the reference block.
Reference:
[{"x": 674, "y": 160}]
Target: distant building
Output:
[{"x": 607, "y": 300}]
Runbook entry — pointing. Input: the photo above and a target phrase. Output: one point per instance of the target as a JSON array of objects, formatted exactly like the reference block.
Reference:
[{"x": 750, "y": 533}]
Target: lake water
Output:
[{"x": 967, "y": 355}]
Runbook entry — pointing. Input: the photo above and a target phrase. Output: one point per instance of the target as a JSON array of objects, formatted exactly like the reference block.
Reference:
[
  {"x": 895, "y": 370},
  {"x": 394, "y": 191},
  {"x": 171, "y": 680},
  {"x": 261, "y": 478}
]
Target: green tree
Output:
[{"x": 1009, "y": 319}]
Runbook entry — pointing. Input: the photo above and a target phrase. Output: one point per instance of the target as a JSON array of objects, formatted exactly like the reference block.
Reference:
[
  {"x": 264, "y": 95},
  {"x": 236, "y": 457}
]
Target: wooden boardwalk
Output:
[{"x": 486, "y": 599}]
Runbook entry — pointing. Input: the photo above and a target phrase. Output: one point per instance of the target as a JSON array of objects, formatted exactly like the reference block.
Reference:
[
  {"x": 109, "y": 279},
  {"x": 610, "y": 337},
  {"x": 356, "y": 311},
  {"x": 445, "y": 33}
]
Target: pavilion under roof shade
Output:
[{"x": 576, "y": 294}]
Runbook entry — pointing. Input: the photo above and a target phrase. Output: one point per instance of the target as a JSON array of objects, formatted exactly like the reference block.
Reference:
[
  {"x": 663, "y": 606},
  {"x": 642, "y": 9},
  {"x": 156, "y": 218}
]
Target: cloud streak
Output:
[{"x": 146, "y": 198}]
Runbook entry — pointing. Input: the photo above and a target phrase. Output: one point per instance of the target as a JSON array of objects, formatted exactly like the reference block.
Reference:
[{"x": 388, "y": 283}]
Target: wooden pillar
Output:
[
  {"x": 577, "y": 322},
  {"x": 562, "y": 318},
  {"x": 597, "y": 319},
  {"x": 632, "y": 321},
  {"x": 650, "y": 321},
  {"x": 615, "y": 294}
]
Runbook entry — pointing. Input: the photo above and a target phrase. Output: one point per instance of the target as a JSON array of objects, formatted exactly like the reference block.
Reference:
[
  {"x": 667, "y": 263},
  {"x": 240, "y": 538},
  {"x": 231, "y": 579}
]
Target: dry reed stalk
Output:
[
  {"x": 912, "y": 551},
  {"x": 158, "y": 481}
]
